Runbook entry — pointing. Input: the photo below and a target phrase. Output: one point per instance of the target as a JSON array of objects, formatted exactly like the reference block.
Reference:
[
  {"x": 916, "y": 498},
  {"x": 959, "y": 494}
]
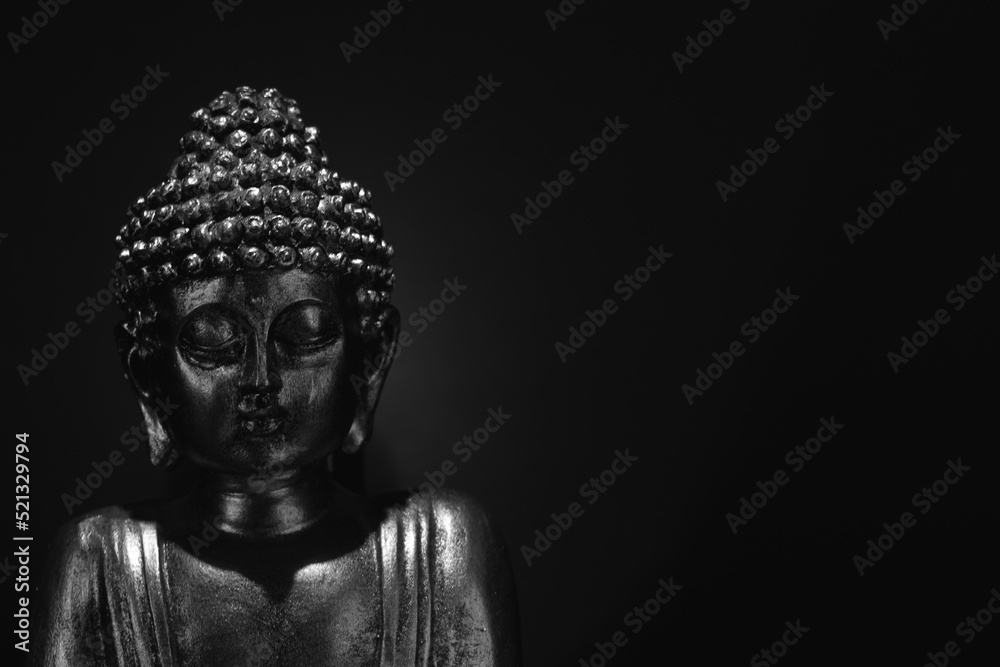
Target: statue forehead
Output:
[{"x": 263, "y": 292}]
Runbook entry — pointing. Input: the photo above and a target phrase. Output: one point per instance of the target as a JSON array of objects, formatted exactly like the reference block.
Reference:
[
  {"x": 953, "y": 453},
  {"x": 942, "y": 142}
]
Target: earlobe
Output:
[
  {"x": 138, "y": 373},
  {"x": 162, "y": 452},
  {"x": 134, "y": 366},
  {"x": 378, "y": 356},
  {"x": 124, "y": 344}
]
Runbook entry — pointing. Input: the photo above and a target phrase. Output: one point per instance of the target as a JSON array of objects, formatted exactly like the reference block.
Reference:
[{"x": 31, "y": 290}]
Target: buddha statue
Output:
[{"x": 256, "y": 285}]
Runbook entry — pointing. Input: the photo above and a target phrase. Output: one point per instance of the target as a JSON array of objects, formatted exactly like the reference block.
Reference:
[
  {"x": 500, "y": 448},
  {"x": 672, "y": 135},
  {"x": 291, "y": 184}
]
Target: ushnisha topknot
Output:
[{"x": 251, "y": 191}]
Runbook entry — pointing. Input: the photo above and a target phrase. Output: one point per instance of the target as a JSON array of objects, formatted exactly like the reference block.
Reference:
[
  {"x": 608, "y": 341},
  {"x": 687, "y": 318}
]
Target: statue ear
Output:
[
  {"x": 368, "y": 380},
  {"x": 139, "y": 372},
  {"x": 136, "y": 369}
]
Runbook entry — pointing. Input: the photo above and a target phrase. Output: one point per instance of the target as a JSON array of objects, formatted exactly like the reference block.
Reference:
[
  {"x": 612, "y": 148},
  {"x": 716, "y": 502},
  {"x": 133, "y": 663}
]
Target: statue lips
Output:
[{"x": 264, "y": 421}]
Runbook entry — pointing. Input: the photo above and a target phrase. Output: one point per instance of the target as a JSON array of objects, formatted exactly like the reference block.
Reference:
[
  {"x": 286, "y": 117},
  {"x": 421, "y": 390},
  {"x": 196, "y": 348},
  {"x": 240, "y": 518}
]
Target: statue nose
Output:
[{"x": 260, "y": 375}]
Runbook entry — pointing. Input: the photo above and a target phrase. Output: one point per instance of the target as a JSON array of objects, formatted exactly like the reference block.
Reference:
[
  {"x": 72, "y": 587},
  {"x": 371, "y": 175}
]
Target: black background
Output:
[{"x": 494, "y": 346}]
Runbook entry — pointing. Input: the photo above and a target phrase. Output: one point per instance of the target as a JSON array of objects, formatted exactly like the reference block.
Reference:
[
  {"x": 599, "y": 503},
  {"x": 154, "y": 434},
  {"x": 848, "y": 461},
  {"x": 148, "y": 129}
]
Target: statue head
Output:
[{"x": 255, "y": 282}]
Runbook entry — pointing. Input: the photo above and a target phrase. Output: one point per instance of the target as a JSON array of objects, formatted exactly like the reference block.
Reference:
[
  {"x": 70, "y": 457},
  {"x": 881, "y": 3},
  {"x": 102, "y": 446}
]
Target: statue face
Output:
[{"x": 261, "y": 365}]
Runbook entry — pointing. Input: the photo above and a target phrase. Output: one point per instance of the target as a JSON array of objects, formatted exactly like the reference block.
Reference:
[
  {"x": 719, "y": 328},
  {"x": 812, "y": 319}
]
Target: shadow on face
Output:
[{"x": 261, "y": 365}]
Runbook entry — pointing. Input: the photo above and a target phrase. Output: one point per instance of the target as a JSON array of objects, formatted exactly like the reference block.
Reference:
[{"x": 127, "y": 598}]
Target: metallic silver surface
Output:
[
  {"x": 370, "y": 583},
  {"x": 267, "y": 561}
]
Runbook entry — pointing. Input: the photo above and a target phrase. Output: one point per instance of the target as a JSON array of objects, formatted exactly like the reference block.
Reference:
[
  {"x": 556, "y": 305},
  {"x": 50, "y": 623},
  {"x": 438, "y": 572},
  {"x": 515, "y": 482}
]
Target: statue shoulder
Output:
[
  {"x": 88, "y": 535},
  {"x": 463, "y": 529},
  {"x": 76, "y": 575},
  {"x": 475, "y": 607},
  {"x": 89, "y": 547},
  {"x": 463, "y": 526}
]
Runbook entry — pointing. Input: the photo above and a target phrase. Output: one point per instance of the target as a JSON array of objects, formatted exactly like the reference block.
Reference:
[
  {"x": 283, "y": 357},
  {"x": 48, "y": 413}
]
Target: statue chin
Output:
[{"x": 256, "y": 288}]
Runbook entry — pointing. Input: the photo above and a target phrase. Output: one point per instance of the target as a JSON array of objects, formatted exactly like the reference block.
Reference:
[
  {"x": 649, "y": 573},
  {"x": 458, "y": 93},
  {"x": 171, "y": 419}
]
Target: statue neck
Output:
[{"x": 264, "y": 504}]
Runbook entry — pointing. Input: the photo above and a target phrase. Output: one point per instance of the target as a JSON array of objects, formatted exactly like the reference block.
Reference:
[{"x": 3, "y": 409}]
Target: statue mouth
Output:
[{"x": 266, "y": 421}]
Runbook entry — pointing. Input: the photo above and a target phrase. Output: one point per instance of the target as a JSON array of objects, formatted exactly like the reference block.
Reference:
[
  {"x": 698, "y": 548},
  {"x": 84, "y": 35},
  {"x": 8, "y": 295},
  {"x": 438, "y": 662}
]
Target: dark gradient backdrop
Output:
[{"x": 495, "y": 345}]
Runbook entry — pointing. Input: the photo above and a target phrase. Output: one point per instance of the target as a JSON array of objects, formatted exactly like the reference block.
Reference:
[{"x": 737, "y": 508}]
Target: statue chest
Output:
[{"x": 270, "y": 608}]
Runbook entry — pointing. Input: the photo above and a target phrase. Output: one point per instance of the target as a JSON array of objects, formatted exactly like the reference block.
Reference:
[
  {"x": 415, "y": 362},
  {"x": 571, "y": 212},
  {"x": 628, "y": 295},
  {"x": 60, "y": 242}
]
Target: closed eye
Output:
[
  {"x": 306, "y": 326},
  {"x": 213, "y": 335}
]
